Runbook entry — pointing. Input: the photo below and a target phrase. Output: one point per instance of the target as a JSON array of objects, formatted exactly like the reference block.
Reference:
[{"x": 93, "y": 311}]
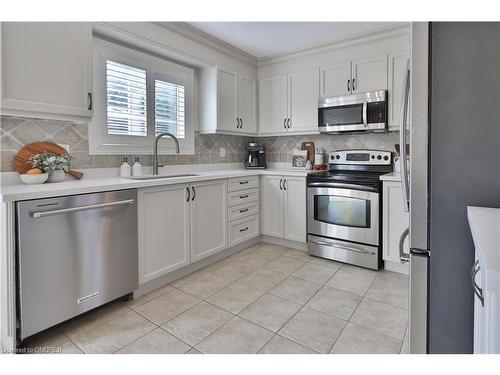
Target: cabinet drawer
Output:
[
  {"x": 240, "y": 183},
  {"x": 244, "y": 196},
  {"x": 243, "y": 229},
  {"x": 243, "y": 210}
]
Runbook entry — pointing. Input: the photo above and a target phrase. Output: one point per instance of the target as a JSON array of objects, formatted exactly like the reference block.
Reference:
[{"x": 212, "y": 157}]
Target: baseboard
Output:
[
  {"x": 397, "y": 267},
  {"x": 177, "y": 274},
  {"x": 282, "y": 242}
]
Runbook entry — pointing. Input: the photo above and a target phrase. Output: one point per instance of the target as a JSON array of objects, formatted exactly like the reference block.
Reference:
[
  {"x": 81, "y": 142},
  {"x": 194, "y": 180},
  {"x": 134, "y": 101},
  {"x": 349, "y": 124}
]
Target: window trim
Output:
[{"x": 102, "y": 143}]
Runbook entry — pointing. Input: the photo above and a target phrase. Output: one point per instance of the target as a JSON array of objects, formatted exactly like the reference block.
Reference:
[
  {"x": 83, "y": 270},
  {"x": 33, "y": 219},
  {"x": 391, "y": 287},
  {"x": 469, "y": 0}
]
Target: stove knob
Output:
[
  {"x": 386, "y": 158},
  {"x": 332, "y": 157},
  {"x": 379, "y": 157},
  {"x": 338, "y": 157},
  {"x": 373, "y": 156}
]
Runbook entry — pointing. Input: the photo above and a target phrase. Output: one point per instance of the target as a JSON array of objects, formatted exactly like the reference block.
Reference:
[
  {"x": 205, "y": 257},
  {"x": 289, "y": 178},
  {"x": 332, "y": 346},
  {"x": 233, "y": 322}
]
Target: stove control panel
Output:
[{"x": 360, "y": 157}]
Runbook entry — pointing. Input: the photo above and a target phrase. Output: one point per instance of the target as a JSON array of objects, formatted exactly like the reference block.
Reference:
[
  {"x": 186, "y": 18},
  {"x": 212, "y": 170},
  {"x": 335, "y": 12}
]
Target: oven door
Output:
[{"x": 343, "y": 211}]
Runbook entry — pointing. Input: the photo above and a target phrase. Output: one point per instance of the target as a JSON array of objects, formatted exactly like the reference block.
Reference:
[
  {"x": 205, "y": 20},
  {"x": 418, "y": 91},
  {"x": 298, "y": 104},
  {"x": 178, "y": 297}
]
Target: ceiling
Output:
[{"x": 263, "y": 39}]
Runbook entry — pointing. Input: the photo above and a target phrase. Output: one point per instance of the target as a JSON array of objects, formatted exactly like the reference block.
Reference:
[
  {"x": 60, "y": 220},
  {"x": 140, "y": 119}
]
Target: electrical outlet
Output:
[{"x": 222, "y": 152}]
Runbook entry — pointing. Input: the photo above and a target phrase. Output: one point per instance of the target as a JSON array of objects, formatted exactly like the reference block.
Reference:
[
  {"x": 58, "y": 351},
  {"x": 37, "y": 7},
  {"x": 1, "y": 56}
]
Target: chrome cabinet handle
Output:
[
  {"x": 189, "y": 194},
  {"x": 348, "y": 85},
  {"x": 61, "y": 211},
  {"x": 194, "y": 193},
  {"x": 89, "y": 100},
  {"x": 402, "y": 256},
  {"x": 477, "y": 290},
  {"x": 281, "y": 184},
  {"x": 243, "y": 229}
]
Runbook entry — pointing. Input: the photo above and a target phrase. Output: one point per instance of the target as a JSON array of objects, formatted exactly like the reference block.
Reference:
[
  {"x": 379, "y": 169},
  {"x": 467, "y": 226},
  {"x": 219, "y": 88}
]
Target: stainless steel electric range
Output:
[{"x": 344, "y": 208}]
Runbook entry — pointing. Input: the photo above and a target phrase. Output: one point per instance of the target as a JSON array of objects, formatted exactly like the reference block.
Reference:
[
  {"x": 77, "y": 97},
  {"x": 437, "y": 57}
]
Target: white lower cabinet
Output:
[
  {"x": 208, "y": 218},
  {"x": 283, "y": 208},
  {"x": 163, "y": 214},
  {"x": 243, "y": 229},
  {"x": 395, "y": 221},
  {"x": 179, "y": 225}
]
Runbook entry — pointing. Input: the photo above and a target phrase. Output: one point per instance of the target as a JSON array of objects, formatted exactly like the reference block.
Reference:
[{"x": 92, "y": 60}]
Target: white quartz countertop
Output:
[
  {"x": 19, "y": 191},
  {"x": 393, "y": 176},
  {"x": 484, "y": 224}
]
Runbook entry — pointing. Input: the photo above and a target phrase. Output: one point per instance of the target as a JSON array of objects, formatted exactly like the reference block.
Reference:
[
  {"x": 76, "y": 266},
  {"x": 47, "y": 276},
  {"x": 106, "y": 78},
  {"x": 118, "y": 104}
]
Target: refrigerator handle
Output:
[
  {"x": 404, "y": 258},
  {"x": 403, "y": 160}
]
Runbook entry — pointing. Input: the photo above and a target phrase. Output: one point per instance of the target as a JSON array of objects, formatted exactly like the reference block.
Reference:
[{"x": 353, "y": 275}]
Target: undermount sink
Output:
[{"x": 160, "y": 176}]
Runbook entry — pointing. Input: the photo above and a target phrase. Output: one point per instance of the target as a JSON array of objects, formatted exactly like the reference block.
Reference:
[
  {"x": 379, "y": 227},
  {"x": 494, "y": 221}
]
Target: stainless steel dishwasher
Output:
[{"x": 74, "y": 254}]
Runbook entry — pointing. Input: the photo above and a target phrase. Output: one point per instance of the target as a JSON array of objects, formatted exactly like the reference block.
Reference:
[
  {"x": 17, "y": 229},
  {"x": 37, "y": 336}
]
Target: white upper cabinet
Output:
[
  {"x": 289, "y": 103},
  {"x": 303, "y": 94},
  {"x": 47, "y": 70},
  {"x": 236, "y": 103},
  {"x": 336, "y": 79},
  {"x": 369, "y": 74},
  {"x": 247, "y": 104},
  {"x": 397, "y": 71},
  {"x": 228, "y": 100},
  {"x": 272, "y": 105}
]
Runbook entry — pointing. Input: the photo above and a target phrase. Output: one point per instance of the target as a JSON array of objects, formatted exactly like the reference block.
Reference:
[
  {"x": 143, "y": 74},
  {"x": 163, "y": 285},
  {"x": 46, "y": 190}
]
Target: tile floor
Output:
[{"x": 264, "y": 299}]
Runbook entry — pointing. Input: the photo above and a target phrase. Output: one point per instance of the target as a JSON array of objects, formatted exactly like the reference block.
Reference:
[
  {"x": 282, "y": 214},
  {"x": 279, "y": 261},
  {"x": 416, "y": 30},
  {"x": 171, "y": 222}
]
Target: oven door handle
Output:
[
  {"x": 342, "y": 186},
  {"x": 355, "y": 249}
]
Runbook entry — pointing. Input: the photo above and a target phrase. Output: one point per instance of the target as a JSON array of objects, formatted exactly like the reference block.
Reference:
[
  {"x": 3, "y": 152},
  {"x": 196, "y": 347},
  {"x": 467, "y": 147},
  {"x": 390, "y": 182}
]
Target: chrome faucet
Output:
[{"x": 155, "y": 149}]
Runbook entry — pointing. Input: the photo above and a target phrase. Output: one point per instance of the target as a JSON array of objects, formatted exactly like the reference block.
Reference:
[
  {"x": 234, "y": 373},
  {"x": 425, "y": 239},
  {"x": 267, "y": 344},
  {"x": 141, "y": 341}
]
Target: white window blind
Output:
[
  {"x": 169, "y": 108},
  {"x": 126, "y": 99}
]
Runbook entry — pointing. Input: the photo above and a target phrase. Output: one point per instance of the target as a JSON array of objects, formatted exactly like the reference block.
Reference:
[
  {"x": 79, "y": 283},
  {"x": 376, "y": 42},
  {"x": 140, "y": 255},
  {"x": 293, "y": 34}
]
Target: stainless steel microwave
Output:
[{"x": 358, "y": 112}]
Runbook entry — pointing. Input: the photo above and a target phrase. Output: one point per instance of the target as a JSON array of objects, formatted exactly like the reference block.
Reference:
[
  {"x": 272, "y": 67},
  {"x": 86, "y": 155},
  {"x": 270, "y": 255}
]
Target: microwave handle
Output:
[{"x": 365, "y": 117}]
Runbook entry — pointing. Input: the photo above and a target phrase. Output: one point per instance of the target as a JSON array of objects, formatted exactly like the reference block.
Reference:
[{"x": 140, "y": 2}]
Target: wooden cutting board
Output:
[
  {"x": 32, "y": 149},
  {"x": 311, "y": 151}
]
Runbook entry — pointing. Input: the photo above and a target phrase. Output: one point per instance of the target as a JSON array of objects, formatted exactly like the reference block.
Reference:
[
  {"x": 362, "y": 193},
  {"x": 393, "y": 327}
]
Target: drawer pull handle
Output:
[
  {"x": 243, "y": 229},
  {"x": 244, "y": 196},
  {"x": 243, "y": 182},
  {"x": 244, "y": 210}
]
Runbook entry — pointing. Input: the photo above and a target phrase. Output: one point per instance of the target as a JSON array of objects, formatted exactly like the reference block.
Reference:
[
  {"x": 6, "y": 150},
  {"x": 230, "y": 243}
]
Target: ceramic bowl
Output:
[{"x": 32, "y": 179}]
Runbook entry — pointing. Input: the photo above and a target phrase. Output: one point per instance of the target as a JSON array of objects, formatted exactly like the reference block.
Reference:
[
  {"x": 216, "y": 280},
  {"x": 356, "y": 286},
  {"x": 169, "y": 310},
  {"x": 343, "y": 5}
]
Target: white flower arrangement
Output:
[{"x": 49, "y": 162}]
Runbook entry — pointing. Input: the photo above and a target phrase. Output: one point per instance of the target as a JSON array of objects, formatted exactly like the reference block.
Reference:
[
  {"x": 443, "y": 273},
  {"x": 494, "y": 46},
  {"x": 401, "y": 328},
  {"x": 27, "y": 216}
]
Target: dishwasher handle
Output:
[{"x": 61, "y": 211}]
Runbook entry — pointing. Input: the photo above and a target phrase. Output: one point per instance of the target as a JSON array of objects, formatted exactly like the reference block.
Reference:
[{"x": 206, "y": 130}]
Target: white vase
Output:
[{"x": 57, "y": 176}]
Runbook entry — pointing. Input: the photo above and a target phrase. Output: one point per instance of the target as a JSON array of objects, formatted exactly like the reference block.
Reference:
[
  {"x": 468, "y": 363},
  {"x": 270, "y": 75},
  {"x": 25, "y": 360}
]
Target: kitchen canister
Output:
[{"x": 319, "y": 159}]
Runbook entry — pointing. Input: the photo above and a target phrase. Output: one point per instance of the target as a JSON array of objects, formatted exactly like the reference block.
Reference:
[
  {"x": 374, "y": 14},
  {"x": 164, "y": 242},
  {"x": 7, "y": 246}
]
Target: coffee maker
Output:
[{"x": 256, "y": 156}]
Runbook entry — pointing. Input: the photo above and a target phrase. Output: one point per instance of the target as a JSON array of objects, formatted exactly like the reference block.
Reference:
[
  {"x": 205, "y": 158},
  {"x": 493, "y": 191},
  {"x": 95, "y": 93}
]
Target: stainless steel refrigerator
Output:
[{"x": 452, "y": 132}]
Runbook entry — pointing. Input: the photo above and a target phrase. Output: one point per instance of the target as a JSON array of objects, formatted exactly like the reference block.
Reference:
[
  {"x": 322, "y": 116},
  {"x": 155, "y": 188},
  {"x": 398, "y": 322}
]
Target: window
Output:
[{"x": 137, "y": 97}]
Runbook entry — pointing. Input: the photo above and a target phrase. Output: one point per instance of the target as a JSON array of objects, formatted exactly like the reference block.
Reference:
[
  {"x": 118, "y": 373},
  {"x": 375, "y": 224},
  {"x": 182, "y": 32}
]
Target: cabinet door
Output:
[
  {"x": 247, "y": 103},
  {"x": 398, "y": 64},
  {"x": 369, "y": 74},
  {"x": 208, "y": 218},
  {"x": 294, "y": 216},
  {"x": 48, "y": 69},
  {"x": 227, "y": 100},
  {"x": 163, "y": 230},
  {"x": 336, "y": 79},
  {"x": 272, "y": 206},
  {"x": 303, "y": 94},
  {"x": 395, "y": 221},
  {"x": 272, "y": 105}
]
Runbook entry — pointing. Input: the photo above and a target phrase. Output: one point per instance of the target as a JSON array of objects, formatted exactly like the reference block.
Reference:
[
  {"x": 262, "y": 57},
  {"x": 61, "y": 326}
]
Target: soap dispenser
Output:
[
  {"x": 137, "y": 168},
  {"x": 125, "y": 168}
]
